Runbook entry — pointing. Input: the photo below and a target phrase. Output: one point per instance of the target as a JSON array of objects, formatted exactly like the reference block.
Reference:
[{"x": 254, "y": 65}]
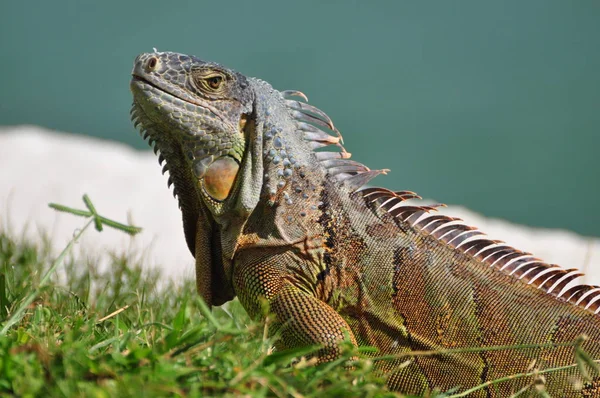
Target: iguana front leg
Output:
[{"x": 301, "y": 318}]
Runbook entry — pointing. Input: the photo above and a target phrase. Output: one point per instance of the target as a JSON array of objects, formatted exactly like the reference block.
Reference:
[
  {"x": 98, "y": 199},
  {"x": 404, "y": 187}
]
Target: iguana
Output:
[{"x": 272, "y": 213}]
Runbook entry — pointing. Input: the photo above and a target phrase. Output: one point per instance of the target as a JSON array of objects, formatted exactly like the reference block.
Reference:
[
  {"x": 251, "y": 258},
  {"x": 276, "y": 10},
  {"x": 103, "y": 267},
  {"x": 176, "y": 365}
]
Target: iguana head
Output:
[
  {"x": 197, "y": 108},
  {"x": 216, "y": 118}
]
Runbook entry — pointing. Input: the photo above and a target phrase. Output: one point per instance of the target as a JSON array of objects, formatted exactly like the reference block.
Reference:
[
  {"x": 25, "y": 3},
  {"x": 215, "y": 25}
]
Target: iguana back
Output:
[{"x": 268, "y": 215}]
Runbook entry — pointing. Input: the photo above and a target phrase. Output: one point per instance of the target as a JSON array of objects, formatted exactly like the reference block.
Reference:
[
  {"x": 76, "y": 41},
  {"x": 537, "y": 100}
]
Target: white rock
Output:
[{"x": 40, "y": 166}]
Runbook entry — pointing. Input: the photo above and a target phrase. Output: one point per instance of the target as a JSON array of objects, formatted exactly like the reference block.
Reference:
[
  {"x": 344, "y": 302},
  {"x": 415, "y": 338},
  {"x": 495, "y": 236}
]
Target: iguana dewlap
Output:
[{"x": 270, "y": 216}]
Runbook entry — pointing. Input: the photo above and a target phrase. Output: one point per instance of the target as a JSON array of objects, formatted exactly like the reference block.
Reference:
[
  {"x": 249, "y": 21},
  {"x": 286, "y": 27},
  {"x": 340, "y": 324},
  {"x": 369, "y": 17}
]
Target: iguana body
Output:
[{"x": 268, "y": 217}]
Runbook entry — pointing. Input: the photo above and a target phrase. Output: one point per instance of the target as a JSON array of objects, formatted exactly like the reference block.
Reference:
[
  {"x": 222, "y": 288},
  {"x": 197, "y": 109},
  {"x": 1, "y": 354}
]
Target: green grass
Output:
[{"x": 71, "y": 328}]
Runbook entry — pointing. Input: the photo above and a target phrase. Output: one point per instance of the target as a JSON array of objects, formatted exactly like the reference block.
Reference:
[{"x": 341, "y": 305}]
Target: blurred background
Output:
[{"x": 491, "y": 105}]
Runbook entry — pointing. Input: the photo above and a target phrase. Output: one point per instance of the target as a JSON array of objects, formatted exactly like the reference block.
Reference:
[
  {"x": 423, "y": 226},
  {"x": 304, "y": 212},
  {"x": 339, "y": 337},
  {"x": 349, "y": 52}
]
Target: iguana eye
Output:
[
  {"x": 211, "y": 81},
  {"x": 214, "y": 82}
]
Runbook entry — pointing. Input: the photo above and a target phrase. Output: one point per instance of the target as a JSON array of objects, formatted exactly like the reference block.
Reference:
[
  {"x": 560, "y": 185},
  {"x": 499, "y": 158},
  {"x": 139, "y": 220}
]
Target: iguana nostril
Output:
[{"x": 152, "y": 62}]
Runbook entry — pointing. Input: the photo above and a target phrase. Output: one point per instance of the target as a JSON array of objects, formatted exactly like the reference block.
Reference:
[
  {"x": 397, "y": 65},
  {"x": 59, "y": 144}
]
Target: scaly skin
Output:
[{"x": 267, "y": 217}]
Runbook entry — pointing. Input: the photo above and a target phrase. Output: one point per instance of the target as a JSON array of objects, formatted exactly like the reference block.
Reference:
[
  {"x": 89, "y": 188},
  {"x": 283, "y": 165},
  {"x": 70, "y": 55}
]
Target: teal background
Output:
[{"x": 493, "y": 105}]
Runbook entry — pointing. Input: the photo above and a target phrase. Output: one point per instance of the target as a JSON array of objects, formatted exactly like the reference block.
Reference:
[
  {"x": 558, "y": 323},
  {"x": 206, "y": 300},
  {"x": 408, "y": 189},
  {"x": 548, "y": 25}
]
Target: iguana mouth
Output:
[
  {"x": 135, "y": 79},
  {"x": 143, "y": 84}
]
